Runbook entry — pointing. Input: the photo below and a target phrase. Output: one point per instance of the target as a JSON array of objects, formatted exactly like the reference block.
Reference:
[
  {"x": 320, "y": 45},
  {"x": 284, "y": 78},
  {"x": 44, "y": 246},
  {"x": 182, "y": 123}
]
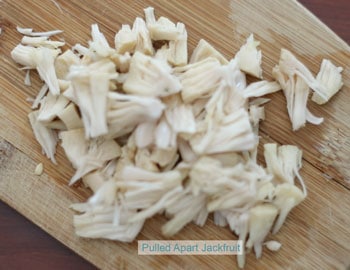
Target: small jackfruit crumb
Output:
[
  {"x": 39, "y": 169},
  {"x": 273, "y": 245}
]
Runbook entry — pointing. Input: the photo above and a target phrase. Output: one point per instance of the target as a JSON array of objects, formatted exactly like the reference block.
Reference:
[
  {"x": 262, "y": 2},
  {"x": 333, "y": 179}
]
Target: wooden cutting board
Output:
[{"x": 316, "y": 234}]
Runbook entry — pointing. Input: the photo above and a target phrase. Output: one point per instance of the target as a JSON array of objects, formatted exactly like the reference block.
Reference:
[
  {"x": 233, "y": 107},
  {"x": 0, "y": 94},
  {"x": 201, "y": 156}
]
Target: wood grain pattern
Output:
[{"x": 316, "y": 234}]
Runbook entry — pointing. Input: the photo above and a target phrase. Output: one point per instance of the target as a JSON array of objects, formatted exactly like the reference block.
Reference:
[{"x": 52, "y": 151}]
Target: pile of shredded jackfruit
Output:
[{"x": 151, "y": 130}]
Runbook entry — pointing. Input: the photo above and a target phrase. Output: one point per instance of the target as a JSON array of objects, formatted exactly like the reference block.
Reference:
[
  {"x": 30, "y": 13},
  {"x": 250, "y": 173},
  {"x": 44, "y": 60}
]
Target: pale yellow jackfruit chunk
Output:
[
  {"x": 261, "y": 88},
  {"x": 42, "y": 59},
  {"x": 161, "y": 29},
  {"x": 143, "y": 39},
  {"x": 99, "y": 43},
  {"x": 70, "y": 117},
  {"x": 206, "y": 50},
  {"x": 183, "y": 210},
  {"x": 106, "y": 221},
  {"x": 261, "y": 220},
  {"x": 330, "y": 77},
  {"x": 87, "y": 155},
  {"x": 249, "y": 57},
  {"x": 296, "y": 90},
  {"x": 150, "y": 77},
  {"x": 63, "y": 62},
  {"x": 283, "y": 162},
  {"x": 45, "y": 136},
  {"x": 287, "y": 197},
  {"x": 199, "y": 79},
  {"x": 127, "y": 111},
  {"x": 125, "y": 40},
  {"x": 90, "y": 86},
  {"x": 234, "y": 133},
  {"x": 144, "y": 188},
  {"x": 291, "y": 66},
  {"x": 51, "y": 106}
]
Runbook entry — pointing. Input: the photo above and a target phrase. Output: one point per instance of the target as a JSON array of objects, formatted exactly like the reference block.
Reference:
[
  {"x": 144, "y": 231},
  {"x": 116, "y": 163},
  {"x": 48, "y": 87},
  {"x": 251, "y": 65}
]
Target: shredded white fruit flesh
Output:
[
  {"x": 150, "y": 131},
  {"x": 29, "y": 32}
]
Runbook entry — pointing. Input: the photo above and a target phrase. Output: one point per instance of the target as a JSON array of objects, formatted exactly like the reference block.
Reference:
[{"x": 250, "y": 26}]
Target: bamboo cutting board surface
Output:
[{"x": 316, "y": 234}]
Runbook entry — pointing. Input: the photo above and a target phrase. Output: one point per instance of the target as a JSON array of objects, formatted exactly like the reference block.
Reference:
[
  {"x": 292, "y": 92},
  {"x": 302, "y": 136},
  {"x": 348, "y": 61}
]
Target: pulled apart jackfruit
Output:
[
  {"x": 85, "y": 155},
  {"x": 249, "y": 57},
  {"x": 199, "y": 79},
  {"x": 296, "y": 80},
  {"x": 283, "y": 162},
  {"x": 150, "y": 77},
  {"x": 45, "y": 136},
  {"x": 149, "y": 132},
  {"x": 90, "y": 86},
  {"x": 205, "y": 50},
  {"x": 29, "y": 32},
  {"x": 42, "y": 59},
  {"x": 261, "y": 220},
  {"x": 41, "y": 42},
  {"x": 329, "y": 76}
]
